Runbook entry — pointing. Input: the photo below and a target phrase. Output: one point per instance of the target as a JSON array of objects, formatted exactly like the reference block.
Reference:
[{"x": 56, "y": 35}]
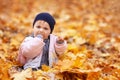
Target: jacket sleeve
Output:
[
  {"x": 60, "y": 48},
  {"x": 31, "y": 47}
]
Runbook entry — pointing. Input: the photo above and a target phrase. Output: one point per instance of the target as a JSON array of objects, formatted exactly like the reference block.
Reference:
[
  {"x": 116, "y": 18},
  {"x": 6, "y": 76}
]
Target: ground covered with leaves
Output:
[{"x": 91, "y": 29}]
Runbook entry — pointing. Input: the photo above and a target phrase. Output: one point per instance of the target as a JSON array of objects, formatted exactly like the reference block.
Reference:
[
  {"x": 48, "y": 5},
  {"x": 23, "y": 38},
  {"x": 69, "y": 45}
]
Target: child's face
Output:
[{"x": 41, "y": 27}]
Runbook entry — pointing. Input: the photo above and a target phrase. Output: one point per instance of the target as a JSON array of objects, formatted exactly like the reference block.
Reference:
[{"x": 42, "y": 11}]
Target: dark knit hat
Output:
[{"x": 46, "y": 17}]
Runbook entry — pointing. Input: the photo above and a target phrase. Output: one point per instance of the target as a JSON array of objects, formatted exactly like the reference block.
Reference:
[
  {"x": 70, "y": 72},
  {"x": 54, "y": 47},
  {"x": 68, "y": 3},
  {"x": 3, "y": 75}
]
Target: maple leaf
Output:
[
  {"x": 24, "y": 75},
  {"x": 78, "y": 62},
  {"x": 43, "y": 75},
  {"x": 65, "y": 64},
  {"x": 45, "y": 67},
  {"x": 2, "y": 56}
]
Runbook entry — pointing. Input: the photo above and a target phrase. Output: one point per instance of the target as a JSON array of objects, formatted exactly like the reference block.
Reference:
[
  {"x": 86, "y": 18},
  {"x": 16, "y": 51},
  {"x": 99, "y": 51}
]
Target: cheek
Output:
[
  {"x": 47, "y": 34},
  {"x": 35, "y": 31}
]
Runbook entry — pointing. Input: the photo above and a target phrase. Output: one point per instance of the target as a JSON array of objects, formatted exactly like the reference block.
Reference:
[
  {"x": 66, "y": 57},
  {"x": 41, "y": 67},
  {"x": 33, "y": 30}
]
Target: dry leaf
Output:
[{"x": 24, "y": 75}]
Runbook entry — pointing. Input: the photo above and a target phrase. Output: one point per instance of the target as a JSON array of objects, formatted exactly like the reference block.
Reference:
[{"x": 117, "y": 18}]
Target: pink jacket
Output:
[{"x": 32, "y": 47}]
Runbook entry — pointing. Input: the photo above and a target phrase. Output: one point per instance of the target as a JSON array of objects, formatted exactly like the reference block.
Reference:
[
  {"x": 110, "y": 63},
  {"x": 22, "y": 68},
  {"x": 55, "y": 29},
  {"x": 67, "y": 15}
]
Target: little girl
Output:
[{"x": 43, "y": 47}]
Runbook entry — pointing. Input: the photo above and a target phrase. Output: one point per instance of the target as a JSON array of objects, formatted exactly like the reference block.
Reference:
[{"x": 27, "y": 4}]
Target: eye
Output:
[
  {"x": 45, "y": 28},
  {"x": 38, "y": 26}
]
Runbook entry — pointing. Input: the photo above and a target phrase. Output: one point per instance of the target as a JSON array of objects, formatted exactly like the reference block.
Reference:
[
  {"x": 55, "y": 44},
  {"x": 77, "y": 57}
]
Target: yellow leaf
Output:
[
  {"x": 24, "y": 75},
  {"x": 45, "y": 67}
]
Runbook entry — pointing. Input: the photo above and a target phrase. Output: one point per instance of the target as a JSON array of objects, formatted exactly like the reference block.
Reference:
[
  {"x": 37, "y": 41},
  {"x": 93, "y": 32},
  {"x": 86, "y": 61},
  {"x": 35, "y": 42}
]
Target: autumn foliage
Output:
[{"x": 91, "y": 28}]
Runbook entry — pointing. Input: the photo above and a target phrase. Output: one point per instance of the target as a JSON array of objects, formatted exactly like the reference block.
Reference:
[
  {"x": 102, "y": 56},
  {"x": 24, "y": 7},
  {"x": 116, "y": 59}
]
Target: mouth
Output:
[{"x": 40, "y": 36}]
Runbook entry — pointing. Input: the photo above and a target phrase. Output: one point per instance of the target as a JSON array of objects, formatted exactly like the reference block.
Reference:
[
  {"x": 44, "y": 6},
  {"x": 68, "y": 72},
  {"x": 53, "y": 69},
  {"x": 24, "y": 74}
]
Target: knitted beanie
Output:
[{"x": 46, "y": 17}]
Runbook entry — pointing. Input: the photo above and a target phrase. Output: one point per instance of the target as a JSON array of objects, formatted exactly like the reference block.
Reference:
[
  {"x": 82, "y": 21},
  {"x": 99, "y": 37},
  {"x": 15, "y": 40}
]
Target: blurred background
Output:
[{"x": 20, "y": 13}]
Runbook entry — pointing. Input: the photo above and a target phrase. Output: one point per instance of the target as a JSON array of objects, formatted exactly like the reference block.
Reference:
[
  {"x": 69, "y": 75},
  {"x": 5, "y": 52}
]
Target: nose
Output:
[{"x": 40, "y": 29}]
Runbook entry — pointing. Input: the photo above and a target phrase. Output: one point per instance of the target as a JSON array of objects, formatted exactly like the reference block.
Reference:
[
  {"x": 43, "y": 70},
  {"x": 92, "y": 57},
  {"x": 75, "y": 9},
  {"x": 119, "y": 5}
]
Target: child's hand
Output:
[{"x": 60, "y": 40}]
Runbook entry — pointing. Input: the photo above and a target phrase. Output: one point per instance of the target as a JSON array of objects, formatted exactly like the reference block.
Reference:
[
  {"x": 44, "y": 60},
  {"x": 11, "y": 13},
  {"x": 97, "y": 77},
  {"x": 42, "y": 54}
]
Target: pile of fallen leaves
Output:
[{"x": 91, "y": 29}]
